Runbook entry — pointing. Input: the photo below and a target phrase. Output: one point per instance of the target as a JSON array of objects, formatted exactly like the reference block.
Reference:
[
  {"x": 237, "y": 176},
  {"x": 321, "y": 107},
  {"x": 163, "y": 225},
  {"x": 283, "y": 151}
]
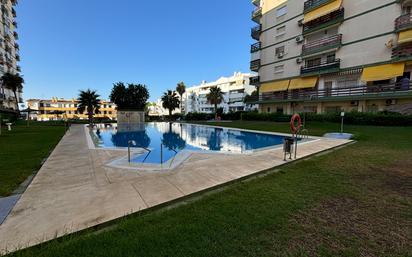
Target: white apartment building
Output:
[
  {"x": 235, "y": 88},
  {"x": 9, "y": 51},
  {"x": 332, "y": 55}
]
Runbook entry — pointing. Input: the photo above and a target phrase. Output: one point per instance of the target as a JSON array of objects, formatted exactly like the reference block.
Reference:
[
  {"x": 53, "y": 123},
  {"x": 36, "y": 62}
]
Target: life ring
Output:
[{"x": 295, "y": 119}]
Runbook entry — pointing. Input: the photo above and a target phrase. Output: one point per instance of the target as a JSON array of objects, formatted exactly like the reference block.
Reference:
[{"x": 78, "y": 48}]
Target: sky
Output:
[{"x": 69, "y": 45}]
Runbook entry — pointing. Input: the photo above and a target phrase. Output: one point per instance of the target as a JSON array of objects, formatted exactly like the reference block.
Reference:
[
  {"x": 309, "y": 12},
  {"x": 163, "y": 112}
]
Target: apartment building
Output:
[
  {"x": 235, "y": 88},
  {"x": 9, "y": 52},
  {"x": 59, "y": 108},
  {"x": 332, "y": 55}
]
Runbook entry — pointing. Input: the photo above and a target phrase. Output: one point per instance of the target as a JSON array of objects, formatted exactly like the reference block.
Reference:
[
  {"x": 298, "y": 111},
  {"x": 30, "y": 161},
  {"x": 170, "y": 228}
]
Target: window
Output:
[
  {"x": 313, "y": 62},
  {"x": 280, "y": 32},
  {"x": 280, "y": 50},
  {"x": 281, "y": 11},
  {"x": 268, "y": 110},
  {"x": 279, "y": 110},
  {"x": 330, "y": 58},
  {"x": 279, "y": 69},
  {"x": 328, "y": 88}
]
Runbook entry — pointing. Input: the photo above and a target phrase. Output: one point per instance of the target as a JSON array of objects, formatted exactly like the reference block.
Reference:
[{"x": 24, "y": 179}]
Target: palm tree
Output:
[
  {"x": 88, "y": 101},
  {"x": 170, "y": 101},
  {"x": 14, "y": 82},
  {"x": 181, "y": 89},
  {"x": 215, "y": 97}
]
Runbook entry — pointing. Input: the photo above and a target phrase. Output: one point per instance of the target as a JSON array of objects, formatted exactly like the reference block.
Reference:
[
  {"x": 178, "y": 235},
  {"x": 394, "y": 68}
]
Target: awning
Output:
[
  {"x": 300, "y": 83},
  {"x": 274, "y": 86},
  {"x": 322, "y": 10},
  {"x": 405, "y": 36},
  {"x": 383, "y": 72}
]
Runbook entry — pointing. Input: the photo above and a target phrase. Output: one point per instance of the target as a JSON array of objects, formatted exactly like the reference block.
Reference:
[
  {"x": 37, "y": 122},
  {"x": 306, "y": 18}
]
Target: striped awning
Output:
[
  {"x": 301, "y": 83},
  {"x": 274, "y": 86},
  {"x": 322, "y": 10},
  {"x": 405, "y": 36},
  {"x": 383, "y": 72}
]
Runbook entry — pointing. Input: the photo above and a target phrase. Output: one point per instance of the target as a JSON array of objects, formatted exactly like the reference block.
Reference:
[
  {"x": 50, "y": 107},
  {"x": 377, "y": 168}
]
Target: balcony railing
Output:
[
  {"x": 402, "y": 52},
  {"x": 254, "y": 80},
  {"x": 255, "y": 47},
  {"x": 255, "y": 65},
  {"x": 324, "y": 21},
  {"x": 403, "y": 22},
  {"x": 323, "y": 67},
  {"x": 351, "y": 93},
  {"x": 313, "y": 4},
  {"x": 255, "y": 33},
  {"x": 322, "y": 44},
  {"x": 256, "y": 2},
  {"x": 256, "y": 14}
]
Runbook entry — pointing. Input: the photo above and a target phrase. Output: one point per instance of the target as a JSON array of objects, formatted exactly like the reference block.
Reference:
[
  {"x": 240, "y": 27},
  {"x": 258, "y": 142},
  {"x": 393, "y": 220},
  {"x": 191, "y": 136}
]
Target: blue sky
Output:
[{"x": 68, "y": 45}]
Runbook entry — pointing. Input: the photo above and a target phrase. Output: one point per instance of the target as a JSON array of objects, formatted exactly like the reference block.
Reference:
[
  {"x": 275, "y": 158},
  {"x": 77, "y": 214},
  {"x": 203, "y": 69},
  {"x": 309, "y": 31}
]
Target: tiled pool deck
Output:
[{"x": 75, "y": 189}]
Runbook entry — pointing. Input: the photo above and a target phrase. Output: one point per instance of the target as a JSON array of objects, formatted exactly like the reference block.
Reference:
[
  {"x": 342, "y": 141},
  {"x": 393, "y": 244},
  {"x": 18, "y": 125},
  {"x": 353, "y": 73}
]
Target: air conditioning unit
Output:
[
  {"x": 299, "y": 60},
  {"x": 300, "y": 23},
  {"x": 354, "y": 103},
  {"x": 390, "y": 102},
  {"x": 281, "y": 54},
  {"x": 299, "y": 39}
]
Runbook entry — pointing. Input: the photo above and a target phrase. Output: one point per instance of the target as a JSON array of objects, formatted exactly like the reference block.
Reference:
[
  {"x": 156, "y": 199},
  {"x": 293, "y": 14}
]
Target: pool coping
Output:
[{"x": 181, "y": 156}]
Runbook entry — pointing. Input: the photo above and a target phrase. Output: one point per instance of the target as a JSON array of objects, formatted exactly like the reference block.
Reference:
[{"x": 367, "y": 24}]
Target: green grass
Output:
[
  {"x": 355, "y": 201},
  {"x": 22, "y": 151}
]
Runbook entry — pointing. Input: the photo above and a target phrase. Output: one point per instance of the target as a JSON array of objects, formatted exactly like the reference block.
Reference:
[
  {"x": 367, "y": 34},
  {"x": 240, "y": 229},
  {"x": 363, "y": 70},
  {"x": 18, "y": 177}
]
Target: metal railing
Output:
[
  {"x": 255, "y": 65},
  {"x": 255, "y": 47},
  {"x": 322, "y": 66},
  {"x": 403, "y": 21},
  {"x": 322, "y": 44},
  {"x": 255, "y": 32},
  {"x": 257, "y": 13},
  {"x": 402, "y": 51},
  {"x": 352, "y": 91}
]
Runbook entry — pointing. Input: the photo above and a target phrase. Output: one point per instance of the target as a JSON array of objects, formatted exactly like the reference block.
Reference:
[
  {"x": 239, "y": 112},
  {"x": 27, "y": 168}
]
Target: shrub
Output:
[
  {"x": 255, "y": 116},
  {"x": 193, "y": 116}
]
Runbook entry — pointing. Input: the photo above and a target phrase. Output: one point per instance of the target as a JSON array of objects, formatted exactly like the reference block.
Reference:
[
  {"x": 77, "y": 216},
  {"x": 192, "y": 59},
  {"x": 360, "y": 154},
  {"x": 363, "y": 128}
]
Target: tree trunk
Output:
[
  {"x": 17, "y": 102},
  {"x": 215, "y": 111},
  {"x": 90, "y": 114},
  {"x": 170, "y": 114}
]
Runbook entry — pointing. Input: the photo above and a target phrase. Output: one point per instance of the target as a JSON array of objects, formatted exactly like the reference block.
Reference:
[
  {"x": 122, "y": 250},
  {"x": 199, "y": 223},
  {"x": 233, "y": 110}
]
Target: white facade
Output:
[
  {"x": 9, "y": 52},
  {"x": 235, "y": 88}
]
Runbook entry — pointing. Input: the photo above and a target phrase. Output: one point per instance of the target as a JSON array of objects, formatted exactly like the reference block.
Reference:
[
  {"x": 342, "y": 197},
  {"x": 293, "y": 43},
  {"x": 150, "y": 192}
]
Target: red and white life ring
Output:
[{"x": 295, "y": 119}]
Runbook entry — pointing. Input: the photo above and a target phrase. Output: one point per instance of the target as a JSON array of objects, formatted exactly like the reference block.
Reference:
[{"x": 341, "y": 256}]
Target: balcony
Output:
[
  {"x": 13, "y": 12},
  {"x": 255, "y": 33},
  {"x": 255, "y": 65},
  {"x": 255, "y": 47},
  {"x": 356, "y": 92},
  {"x": 18, "y": 69},
  {"x": 402, "y": 52},
  {"x": 313, "y": 4},
  {"x": 257, "y": 14},
  {"x": 17, "y": 57},
  {"x": 322, "y": 45},
  {"x": 324, "y": 21},
  {"x": 403, "y": 22},
  {"x": 16, "y": 35},
  {"x": 15, "y": 24},
  {"x": 254, "y": 80},
  {"x": 256, "y": 2},
  {"x": 321, "y": 68}
]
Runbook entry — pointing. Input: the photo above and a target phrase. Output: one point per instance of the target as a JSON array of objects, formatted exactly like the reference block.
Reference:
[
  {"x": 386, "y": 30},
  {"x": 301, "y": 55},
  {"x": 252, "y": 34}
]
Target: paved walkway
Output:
[{"x": 74, "y": 189}]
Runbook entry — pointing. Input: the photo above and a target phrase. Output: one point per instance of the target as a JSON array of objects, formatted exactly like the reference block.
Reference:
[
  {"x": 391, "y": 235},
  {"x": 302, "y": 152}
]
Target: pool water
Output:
[{"x": 163, "y": 141}]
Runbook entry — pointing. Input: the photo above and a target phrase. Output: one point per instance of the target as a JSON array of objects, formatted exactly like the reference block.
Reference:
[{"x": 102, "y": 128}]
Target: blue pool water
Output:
[{"x": 175, "y": 137}]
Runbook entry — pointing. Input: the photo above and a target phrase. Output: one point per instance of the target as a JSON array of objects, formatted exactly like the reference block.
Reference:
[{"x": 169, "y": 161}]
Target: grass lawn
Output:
[
  {"x": 356, "y": 201},
  {"x": 22, "y": 151}
]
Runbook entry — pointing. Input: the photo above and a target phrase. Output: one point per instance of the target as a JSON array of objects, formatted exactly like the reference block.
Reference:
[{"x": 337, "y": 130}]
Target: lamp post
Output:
[{"x": 342, "y": 114}]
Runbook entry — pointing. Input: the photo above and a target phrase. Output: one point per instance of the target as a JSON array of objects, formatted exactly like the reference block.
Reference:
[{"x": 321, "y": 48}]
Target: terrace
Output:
[
  {"x": 321, "y": 67},
  {"x": 337, "y": 94},
  {"x": 323, "y": 44},
  {"x": 403, "y": 22},
  {"x": 313, "y": 4},
  {"x": 255, "y": 32},
  {"x": 324, "y": 21}
]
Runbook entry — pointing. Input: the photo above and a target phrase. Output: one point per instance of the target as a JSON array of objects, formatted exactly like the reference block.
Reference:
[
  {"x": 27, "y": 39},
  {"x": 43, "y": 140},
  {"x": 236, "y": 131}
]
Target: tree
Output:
[
  {"x": 132, "y": 97},
  {"x": 181, "y": 89},
  {"x": 215, "y": 97},
  {"x": 170, "y": 101},
  {"x": 252, "y": 97},
  {"x": 88, "y": 101},
  {"x": 13, "y": 82}
]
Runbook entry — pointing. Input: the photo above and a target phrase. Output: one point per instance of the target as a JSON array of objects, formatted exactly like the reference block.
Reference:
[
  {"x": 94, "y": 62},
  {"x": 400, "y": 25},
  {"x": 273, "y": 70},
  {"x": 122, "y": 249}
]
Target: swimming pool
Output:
[{"x": 162, "y": 141}]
